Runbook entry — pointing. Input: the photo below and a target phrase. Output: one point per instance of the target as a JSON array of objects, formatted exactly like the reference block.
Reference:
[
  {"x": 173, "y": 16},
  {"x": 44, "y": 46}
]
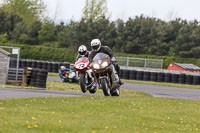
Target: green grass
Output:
[
  {"x": 132, "y": 112},
  {"x": 53, "y": 74},
  {"x": 163, "y": 84}
]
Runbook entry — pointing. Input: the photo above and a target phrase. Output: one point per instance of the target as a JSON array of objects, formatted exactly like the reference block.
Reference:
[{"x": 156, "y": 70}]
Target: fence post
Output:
[
  {"x": 145, "y": 63},
  {"x": 127, "y": 63}
]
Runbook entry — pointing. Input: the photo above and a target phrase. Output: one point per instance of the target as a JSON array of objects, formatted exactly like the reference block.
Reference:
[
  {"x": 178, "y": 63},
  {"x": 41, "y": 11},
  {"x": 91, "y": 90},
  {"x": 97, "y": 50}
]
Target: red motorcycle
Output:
[{"x": 85, "y": 75}]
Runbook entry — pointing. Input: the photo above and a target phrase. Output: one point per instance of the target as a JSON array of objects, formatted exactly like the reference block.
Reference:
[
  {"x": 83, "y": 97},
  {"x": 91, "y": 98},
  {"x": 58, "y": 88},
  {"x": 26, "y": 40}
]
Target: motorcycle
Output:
[
  {"x": 69, "y": 76},
  {"x": 106, "y": 75},
  {"x": 85, "y": 75}
]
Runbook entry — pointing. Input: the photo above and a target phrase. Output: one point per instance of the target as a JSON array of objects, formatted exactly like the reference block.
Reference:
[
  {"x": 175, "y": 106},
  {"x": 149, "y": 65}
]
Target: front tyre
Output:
[
  {"x": 82, "y": 83},
  {"x": 105, "y": 88},
  {"x": 115, "y": 92}
]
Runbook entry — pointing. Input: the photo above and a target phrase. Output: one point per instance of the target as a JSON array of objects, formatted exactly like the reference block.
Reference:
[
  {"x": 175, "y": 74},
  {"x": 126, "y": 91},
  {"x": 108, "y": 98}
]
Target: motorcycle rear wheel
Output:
[
  {"x": 104, "y": 85},
  {"x": 82, "y": 83}
]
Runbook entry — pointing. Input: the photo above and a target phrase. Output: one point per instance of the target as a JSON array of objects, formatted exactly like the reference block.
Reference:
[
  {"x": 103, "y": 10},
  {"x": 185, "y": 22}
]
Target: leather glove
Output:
[{"x": 113, "y": 59}]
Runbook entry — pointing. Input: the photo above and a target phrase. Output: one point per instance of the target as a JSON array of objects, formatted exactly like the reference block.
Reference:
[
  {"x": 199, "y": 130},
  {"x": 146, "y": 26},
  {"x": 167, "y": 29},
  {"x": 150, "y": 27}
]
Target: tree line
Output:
[{"x": 138, "y": 35}]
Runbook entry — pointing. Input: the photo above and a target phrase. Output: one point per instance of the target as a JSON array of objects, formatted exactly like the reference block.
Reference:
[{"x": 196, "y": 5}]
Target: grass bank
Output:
[{"x": 133, "y": 112}]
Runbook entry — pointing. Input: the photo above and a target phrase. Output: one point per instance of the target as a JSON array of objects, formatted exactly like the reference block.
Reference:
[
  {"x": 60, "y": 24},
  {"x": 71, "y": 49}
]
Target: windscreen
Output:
[{"x": 101, "y": 56}]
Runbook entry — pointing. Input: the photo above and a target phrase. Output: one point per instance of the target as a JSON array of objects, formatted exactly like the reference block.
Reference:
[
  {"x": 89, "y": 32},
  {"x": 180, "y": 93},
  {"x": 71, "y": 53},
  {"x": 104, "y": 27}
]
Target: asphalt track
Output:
[{"x": 157, "y": 91}]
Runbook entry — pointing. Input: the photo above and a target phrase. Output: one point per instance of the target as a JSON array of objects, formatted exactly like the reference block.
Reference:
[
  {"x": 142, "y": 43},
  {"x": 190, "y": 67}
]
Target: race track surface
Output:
[
  {"x": 158, "y": 91},
  {"x": 164, "y": 91},
  {"x": 6, "y": 93}
]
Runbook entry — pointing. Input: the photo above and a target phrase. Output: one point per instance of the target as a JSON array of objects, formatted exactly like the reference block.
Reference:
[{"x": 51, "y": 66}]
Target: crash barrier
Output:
[
  {"x": 160, "y": 77},
  {"x": 13, "y": 76},
  {"x": 49, "y": 66},
  {"x": 35, "y": 77}
]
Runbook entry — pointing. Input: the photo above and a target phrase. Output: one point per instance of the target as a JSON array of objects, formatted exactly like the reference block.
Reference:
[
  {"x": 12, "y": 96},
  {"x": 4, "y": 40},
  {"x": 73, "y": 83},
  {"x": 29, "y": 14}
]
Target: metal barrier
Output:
[{"x": 130, "y": 62}]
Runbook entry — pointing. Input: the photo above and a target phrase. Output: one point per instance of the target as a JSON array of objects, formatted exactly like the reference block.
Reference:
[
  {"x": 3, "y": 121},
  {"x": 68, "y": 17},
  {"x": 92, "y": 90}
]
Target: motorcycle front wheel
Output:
[
  {"x": 105, "y": 88},
  {"x": 82, "y": 83}
]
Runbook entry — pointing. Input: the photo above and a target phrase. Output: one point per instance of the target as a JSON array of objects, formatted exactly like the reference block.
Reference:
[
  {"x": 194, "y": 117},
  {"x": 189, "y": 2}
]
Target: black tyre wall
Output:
[
  {"x": 168, "y": 77},
  {"x": 125, "y": 74},
  {"x": 182, "y": 78},
  {"x": 161, "y": 77},
  {"x": 132, "y": 74},
  {"x": 175, "y": 78},
  {"x": 189, "y": 79},
  {"x": 196, "y": 80},
  {"x": 139, "y": 75},
  {"x": 147, "y": 76},
  {"x": 154, "y": 76}
]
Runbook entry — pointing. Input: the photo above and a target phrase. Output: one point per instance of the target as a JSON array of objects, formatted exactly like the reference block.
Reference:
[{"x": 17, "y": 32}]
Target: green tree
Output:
[
  {"x": 29, "y": 10},
  {"x": 95, "y": 9},
  {"x": 47, "y": 33}
]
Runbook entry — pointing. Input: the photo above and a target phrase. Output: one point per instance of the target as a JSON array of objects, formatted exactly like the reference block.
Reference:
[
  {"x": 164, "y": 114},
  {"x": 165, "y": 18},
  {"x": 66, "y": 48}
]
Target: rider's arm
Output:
[
  {"x": 61, "y": 74},
  {"x": 108, "y": 51},
  {"x": 91, "y": 56},
  {"x": 77, "y": 57}
]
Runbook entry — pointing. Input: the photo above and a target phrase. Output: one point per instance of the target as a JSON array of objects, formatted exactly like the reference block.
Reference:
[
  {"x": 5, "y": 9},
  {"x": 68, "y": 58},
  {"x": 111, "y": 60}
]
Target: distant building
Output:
[
  {"x": 183, "y": 67},
  {"x": 4, "y": 65}
]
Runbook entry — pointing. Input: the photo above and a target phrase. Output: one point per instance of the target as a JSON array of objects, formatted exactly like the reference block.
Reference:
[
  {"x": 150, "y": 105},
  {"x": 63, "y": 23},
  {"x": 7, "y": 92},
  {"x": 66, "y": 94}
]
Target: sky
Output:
[{"x": 164, "y": 9}]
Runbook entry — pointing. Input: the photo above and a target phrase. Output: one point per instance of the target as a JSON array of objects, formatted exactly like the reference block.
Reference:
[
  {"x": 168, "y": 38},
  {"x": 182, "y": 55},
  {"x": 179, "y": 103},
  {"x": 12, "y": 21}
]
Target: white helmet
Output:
[
  {"x": 96, "y": 45},
  {"x": 82, "y": 50},
  {"x": 62, "y": 68}
]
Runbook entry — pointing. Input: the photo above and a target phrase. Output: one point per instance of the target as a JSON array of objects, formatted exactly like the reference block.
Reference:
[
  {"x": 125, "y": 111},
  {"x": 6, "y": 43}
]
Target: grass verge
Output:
[
  {"x": 53, "y": 74},
  {"x": 133, "y": 112}
]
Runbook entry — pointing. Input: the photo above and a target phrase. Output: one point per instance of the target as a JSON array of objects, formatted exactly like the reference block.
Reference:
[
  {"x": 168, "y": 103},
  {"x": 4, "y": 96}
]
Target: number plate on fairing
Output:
[{"x": 81, "y": 66}]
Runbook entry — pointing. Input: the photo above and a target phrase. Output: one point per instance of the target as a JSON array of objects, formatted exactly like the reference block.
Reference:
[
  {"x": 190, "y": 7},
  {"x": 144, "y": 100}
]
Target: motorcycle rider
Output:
[
  {"x": 97, "y": 48},
  {"x": 82, "y": 52},
  {"x": 62, "y": 71}
]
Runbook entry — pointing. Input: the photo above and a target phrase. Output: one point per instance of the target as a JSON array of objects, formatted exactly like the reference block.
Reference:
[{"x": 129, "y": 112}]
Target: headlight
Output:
[
  {"x": 96, "y": 66},
  {"x": 104, "y": 64}
]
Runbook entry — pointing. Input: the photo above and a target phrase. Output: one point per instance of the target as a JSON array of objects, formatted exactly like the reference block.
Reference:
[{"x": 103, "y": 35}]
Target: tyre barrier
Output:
[
  {"x": 132, "y": 74},
  {"x": 67, "y": 65},
  {"x": 161, "y": 77},
  {"x": 23, "y": 63},
  {"x": 168, "y": 77},
  {"x": 154, "y": 76},
  {"x": 29, "y": 63},
  {"x": 139, "y": 75},
  {"x": 49, "y": 67},
  {"x": 189, "y": 79},
  {"x": 44, "y": 65},
  {"x": 182, "y": 78},
  {"x": 39, "y": 65},
  {"x": 34, "y": 64},
  {"x": 196, "y": 80},
  {"x": 35, "y": 77},
  {"x": 55, "y": 67},
  {"x": 147, "y": 76},
  {"x": 175, "y": 78},
  {"x": 125, "y": 74}
]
